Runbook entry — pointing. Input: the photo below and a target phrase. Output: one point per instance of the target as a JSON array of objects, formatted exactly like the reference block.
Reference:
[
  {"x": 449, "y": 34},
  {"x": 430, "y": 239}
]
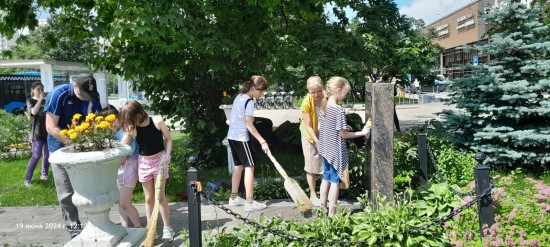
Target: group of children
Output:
[
  {"x": 324, "y": 130},
  {"x": 146, "y": 137}
]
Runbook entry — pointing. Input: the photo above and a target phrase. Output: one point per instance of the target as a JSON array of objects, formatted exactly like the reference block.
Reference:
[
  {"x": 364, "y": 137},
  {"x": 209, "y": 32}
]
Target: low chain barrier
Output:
[
  {"x": 289, "y": 237},
  {"x": 483, "y": 181},
  {"x": 484, "y": 186},
  {"x": 442, "y": 178}
]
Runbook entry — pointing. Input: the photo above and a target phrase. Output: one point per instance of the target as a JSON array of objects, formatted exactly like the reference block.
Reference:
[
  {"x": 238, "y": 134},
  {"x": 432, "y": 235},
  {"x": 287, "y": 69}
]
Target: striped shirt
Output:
[{"x": 331, "y": 145}]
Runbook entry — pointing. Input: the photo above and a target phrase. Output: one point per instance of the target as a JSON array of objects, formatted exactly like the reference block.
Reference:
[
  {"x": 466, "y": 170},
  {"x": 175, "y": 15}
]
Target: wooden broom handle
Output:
[{"x": 277, "y": 165}]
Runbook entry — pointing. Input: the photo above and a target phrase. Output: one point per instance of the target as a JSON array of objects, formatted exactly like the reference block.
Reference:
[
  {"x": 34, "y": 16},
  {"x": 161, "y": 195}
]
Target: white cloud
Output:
[{"x": 431, "y": 10}]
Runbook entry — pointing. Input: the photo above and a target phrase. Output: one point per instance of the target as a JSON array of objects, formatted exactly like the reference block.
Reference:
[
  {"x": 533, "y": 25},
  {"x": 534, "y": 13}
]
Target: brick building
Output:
[{"x": 462, "y": 27}]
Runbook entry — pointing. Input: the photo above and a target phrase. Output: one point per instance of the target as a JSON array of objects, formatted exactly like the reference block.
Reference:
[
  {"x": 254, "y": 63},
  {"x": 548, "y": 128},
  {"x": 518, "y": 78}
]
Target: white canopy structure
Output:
[{"x": 47, "y": 67}]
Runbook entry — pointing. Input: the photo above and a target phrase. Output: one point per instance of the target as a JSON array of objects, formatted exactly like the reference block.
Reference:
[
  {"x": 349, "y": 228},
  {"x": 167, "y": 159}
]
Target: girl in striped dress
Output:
[{"x": 332, "y": 145}]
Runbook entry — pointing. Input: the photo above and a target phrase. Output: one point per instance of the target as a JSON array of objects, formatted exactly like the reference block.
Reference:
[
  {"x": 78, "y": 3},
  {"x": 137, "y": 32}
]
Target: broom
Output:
[
  {"x": 152, "y": 225},
  {"x": 293, "y": 188}
]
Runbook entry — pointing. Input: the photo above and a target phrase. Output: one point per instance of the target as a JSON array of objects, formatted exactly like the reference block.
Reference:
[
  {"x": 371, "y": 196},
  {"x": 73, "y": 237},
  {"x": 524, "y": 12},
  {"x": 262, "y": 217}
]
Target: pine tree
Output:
[{"x": 501, "y": 108}]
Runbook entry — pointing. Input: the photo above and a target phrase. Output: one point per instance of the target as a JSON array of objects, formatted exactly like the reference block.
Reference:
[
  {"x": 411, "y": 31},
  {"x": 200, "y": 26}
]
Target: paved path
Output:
[
  {"x": 42, "y": 226},
  {"x": 408, "y": 114}
]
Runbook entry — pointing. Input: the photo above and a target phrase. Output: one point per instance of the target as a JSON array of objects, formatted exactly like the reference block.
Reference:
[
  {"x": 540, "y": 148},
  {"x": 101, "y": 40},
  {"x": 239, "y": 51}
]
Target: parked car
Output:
[
  {"x": 440, "y": 83},
  {"x": 425, "y": 89}
]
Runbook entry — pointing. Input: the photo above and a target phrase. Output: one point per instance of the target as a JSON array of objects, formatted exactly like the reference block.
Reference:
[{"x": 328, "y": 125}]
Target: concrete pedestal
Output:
[{"x": 379, "y": 107}]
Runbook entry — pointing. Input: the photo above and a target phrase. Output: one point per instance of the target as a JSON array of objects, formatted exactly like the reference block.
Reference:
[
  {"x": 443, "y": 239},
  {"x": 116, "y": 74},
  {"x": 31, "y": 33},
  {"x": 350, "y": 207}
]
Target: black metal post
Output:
[
  {"x": 194, "y": 204},
  {"x": 422, "y": 157},
  {"x": 483, "y": 183}
]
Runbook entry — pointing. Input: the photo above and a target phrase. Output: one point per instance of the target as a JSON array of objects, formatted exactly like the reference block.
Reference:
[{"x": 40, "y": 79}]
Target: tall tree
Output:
[
  {"x": 501, "y": 109},
  {"x": 185, "y": 54},
  {"x": 392, "y": 43},
  {"x": 48, "y": 42}
]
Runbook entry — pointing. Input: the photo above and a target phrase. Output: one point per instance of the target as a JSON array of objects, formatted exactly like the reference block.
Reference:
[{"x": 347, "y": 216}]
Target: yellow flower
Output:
[
  {"x": 227, "y": 98},
  {"x": 71, "y": 131},
  {"x": 73, "y": 136},
  {"x": 103, "y": 125},
  {"x": 111, "y": 118},
  {"x": 77, "y": 116},
  {"x": 79, "y": 128},
  {"x": 90, "y": 117},
  {"x": 85, "y": 125},
  {"x": 94, "y": 133}
]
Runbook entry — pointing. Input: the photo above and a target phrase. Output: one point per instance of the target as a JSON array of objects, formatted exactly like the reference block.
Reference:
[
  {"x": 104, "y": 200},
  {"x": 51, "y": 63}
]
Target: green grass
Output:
[
  {"x": 41, "y": 193},
  {"x": 14, "y": 193}
]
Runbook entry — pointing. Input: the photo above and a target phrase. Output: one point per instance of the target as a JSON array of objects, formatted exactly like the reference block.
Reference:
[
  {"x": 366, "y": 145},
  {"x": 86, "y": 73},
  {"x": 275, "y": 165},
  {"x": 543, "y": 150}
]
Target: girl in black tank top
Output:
[
  {"x": 153, "y": 155},
  {"x": 149, "y": 139}
]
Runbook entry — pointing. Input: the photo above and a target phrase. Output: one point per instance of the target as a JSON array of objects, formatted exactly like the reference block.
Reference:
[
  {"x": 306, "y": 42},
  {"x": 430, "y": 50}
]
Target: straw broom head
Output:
[
  {"x": 293, "y": 188},
  {"x": 152, "y": 224},
  {"x": 298, "y": 195}
]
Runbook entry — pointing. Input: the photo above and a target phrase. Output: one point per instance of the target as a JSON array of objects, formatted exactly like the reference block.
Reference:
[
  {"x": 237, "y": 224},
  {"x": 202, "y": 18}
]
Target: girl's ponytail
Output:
[
  {"x": 257, "y": 81},
  {"x": 247, "y": 85}
]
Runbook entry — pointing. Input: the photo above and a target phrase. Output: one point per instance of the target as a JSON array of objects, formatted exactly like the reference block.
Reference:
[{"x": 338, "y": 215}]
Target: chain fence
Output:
[
  {"x": 290, "y": 237},
  {"x": 321, "y": 242},
  {"x": 442, "y": 178}
]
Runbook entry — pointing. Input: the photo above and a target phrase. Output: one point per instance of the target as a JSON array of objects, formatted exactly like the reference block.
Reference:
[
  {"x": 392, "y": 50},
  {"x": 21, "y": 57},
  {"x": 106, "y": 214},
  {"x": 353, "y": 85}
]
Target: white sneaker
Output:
[
  {"x": 254, "y": 206},
  {"x": 238, "y": 201},
  {"x": 168, "y": 234},
  {"x": 315, "y": 201}
]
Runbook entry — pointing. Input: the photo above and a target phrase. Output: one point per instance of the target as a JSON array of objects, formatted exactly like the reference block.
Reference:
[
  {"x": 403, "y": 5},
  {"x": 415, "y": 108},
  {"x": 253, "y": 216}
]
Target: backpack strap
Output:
[{"x": 246, "y": 103}]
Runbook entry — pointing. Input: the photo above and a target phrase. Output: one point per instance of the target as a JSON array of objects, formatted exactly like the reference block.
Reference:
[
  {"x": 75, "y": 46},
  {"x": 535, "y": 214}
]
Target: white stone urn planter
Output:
[
  {"x": 230, "y": 163},
  {"x": 227, "y": 110},
  {"x": 93, "y": 177}
]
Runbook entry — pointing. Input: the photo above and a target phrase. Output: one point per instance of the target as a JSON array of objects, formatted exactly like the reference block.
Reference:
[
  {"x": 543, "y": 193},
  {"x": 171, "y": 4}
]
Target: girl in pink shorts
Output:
[
  {"x": 148, "y": 168},
  {"x": 127, "y": 174},
  {"x": 126, "y": 180},
  {"x": 150, "y": 135}
]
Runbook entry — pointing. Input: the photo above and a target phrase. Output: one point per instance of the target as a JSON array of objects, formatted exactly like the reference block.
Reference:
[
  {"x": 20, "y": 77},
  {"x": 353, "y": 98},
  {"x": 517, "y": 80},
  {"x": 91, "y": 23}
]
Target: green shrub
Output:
[
  {"x": 14, "y": 134},
  {"x": 405, "y": 146},
  {"x": 435, "y": 200},
  {"x": 456, "y": 166},
  {"x": 379, "y": 224},
  {"x": 384, "y": 224},
  {"x": 271, "y": 190}
]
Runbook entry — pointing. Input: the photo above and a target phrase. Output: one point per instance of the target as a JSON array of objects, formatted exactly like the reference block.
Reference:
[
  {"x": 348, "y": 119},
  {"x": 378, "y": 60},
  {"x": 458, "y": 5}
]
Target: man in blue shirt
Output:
[{"x": 62, "y": 103}]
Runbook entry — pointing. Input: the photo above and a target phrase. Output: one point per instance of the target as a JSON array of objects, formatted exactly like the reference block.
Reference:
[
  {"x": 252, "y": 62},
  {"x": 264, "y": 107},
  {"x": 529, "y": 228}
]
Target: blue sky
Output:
[{"x": 429, "y": 10}]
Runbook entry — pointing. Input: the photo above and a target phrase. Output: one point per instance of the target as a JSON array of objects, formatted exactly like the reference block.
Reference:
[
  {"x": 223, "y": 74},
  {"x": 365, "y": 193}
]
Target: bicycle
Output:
[
  {"x": 278, "y": 103},
  {"x": 260, "y": 103},
  {"x": 289, "y": 100},
  {"x": 270, "y": 99}
]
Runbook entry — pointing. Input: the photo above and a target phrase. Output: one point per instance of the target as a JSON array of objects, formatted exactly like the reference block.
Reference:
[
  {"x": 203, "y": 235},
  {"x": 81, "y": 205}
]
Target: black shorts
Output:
[{"x": 242, "y": 153}]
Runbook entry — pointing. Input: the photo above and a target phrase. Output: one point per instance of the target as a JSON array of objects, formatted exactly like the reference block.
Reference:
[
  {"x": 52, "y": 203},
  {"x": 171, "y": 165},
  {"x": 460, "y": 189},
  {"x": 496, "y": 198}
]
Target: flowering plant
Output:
[
  {"x": 94, "y": 133},
  {"x": 227, "y": 98}
]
